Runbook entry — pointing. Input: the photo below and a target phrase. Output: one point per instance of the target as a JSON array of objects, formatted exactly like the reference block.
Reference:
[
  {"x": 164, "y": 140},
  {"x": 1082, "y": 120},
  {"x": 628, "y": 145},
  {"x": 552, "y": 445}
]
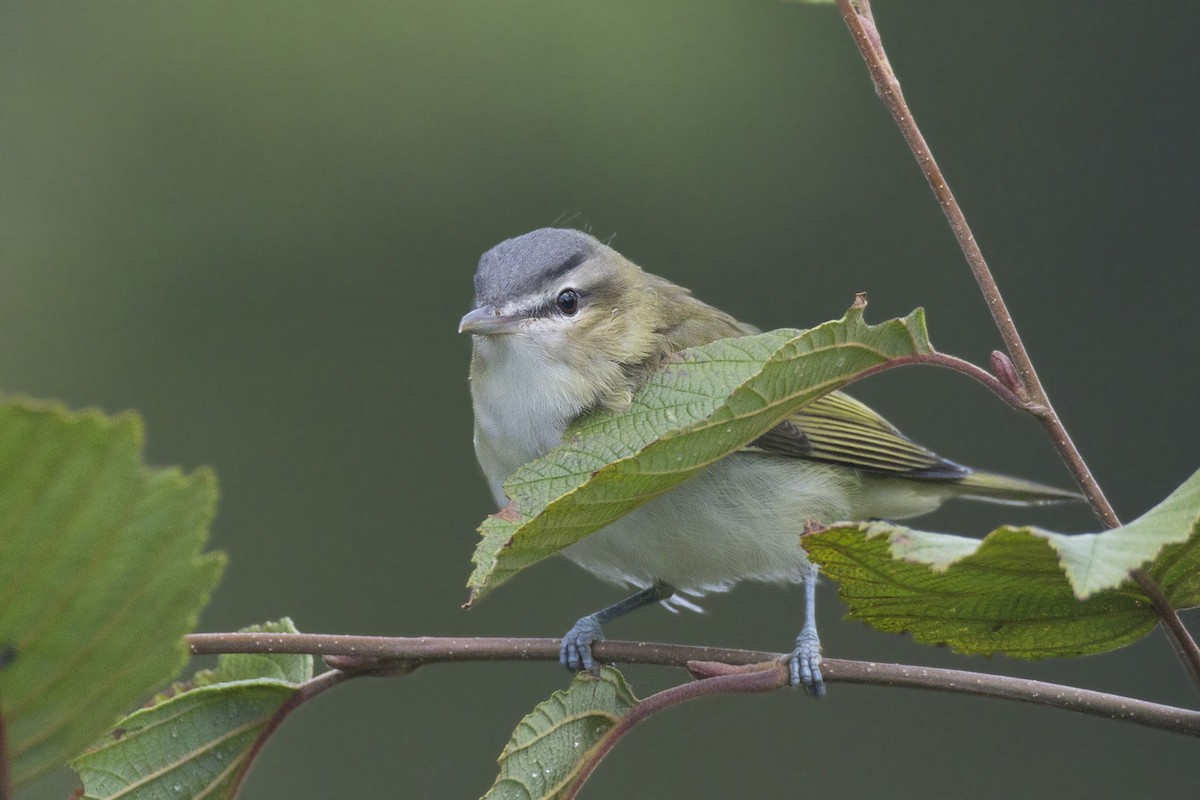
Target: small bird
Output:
[{"x": 564, "y": 325}]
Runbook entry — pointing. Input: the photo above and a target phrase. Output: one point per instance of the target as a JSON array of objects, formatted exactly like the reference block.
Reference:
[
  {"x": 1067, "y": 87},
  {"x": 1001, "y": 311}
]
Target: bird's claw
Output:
[
  {"x": 804, "y": 664},
  {"x": 576, "y": 651}
]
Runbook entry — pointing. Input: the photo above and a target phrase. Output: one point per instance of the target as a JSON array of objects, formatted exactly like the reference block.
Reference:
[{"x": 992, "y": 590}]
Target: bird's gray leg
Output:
[
  {"x": 804, "y": 665},
  {"x": 576, "y": 651}
]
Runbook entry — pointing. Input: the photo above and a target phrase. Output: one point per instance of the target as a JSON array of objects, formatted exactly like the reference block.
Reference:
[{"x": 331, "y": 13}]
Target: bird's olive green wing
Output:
[{"x": 837, "y": 429}]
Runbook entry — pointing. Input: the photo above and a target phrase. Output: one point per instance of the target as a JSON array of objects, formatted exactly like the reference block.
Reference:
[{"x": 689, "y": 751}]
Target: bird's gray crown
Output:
[{"x": 525, "y": 264}]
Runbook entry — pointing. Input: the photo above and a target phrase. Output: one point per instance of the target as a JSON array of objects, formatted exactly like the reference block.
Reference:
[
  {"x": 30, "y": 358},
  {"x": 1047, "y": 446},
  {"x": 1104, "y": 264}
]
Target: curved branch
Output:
[
  {"x": 861, "y": 23},
  {"x": 976, "y": 373},
  {"x": 378, "y": 655},
  {"x": 307, "y": 691},
  {"x": 764, "y": 678}
]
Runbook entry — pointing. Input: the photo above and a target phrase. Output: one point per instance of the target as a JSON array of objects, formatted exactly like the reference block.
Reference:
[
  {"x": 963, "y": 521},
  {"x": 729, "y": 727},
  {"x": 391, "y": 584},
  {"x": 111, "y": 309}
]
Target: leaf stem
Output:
[
  {"x": 861, "y": 23},
  {"x": 376, "y": 655}
]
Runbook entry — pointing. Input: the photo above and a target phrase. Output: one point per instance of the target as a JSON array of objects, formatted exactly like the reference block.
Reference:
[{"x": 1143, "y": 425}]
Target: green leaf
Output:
[
  {"x": 101, "y": 575},
  {"x": 1164, "y": 535},
  {"x": 1024, "y": 592},
  {"x": 549, "y": 746},
  {"x": 705, "y": 403},
  {"x": 196, "y": 744}
]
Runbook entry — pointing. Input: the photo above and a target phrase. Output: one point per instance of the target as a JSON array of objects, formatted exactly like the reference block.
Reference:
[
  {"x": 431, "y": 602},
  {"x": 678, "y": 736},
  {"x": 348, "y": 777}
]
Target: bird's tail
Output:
[{"x": 995, "y": 488}]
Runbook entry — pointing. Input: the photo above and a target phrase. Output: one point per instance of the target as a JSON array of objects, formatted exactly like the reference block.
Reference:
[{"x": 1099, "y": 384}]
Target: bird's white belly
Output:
[{"x": 739, "y": 520}]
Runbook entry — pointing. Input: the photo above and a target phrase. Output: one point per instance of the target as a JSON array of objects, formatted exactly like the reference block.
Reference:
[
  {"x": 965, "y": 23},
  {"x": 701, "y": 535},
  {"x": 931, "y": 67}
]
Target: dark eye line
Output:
[{"x": 550, "y": 308}]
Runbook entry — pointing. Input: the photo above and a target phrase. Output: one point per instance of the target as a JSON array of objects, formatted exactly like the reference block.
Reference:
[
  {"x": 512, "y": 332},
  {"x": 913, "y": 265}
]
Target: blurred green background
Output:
[{"x": 256, "y": 223}]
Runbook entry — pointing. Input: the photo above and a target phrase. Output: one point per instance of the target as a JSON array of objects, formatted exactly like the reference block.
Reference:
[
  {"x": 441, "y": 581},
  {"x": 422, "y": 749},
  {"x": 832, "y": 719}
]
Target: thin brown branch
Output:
[
  {"x": 7, "y": 654},
  {"x": 976, "y": 373},
  {"x": 1053, "y": 425},
  {"x": 866, "y": 36},
  {"x": 1177, "y": 635},
  {"x": 371, "y": 653},
  {"x": 380, "y": 655},
  {"x": 861, "y": 23},
  {"x": 764, "y": 678},
  {"x": 307, "y": 691},
  {"x": 5, "y": 778}
]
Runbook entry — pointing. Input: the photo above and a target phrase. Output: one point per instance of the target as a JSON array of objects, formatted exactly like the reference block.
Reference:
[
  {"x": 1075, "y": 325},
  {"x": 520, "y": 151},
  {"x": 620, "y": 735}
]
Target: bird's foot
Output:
[
  {"x": 804, "y": 664},
  {"x": 576, "y": 651}
]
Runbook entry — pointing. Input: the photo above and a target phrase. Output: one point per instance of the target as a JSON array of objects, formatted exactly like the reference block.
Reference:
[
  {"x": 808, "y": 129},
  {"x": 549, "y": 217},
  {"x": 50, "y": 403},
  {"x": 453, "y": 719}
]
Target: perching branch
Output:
[
  {"x": 377, "y": 655},
  {"x": 861, "y": 23}
]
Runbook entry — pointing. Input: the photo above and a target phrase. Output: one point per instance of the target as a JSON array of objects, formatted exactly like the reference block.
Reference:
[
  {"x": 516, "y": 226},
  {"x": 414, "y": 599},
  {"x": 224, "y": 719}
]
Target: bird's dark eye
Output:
[{"x": 568, "y": 301}]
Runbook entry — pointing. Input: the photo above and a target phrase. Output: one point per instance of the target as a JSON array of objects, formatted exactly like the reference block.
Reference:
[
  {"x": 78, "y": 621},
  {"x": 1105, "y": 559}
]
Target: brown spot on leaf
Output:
[
  {"x": 860, "y": 300},
  {"x": 508, "y": 514}
]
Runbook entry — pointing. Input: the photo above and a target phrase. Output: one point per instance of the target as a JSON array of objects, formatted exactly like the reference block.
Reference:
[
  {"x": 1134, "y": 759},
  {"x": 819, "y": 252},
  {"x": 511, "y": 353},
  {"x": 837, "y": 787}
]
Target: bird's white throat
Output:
[{"x": 523, "y": 398}]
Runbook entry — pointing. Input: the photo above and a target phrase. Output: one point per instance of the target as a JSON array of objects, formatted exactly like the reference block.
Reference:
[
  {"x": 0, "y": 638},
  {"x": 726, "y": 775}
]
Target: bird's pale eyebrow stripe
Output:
[
  {"x": 535, "y": 304},
  {"x": 571, "y": 263}
]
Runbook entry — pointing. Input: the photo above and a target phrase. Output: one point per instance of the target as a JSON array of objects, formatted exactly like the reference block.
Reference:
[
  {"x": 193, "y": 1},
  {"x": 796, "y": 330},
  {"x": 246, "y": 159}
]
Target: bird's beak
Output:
[{"x": 487, "y": 320}]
